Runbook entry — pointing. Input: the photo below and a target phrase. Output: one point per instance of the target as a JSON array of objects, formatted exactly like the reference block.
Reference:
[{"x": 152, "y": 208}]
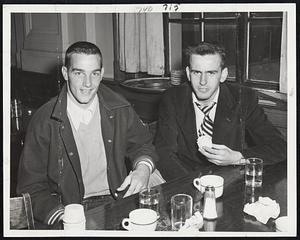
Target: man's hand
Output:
[
  {"x": 221, "y": 155},
  {"x": 137, "y": 180}
]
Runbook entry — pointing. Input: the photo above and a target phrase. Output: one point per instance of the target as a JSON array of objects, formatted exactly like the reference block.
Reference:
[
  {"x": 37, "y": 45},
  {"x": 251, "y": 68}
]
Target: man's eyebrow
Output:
[
  {"x": 81, "y": 70},
  {"x": 209, "y": 71},
  {"x": 77, "y": 69}
]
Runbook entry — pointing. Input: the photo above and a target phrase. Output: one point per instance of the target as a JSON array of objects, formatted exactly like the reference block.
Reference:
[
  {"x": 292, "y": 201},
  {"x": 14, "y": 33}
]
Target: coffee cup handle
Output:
[
  {"x": 196, "y": 183},
  {"x": 126, "y": 224}
]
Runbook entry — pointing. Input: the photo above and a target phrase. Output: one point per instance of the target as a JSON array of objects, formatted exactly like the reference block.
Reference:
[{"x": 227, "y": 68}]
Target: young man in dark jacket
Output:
[
  {"x": 208, "y": 121},
  {"x": 76, "y": 144}
]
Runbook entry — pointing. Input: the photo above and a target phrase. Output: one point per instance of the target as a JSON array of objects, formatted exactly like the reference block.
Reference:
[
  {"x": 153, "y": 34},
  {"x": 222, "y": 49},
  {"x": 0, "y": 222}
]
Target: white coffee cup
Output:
[
  {"x": 74, "y": 218},
  {"x": 142, "y": 219},
  {"x": 210, "y": 180},
  {"x": 74, "y": 226},
  {"x": 282, "y": 224}
]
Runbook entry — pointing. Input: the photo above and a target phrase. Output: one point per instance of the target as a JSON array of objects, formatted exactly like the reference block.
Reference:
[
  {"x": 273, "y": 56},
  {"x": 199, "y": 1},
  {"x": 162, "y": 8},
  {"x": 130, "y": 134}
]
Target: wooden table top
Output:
[{"x": 230, "y": 205}]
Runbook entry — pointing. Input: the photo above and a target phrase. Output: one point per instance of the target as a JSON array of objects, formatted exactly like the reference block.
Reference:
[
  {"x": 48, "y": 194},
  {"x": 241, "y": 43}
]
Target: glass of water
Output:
[
  {"x": 181, "y": 210},
  {"x": 149, "y": 198},
  {"x": 253, "y": 172}
]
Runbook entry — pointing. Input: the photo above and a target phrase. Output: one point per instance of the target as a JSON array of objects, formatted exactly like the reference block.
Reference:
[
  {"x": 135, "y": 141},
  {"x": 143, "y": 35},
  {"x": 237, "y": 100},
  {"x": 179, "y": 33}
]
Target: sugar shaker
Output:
[{"x": 210, "y": 208}]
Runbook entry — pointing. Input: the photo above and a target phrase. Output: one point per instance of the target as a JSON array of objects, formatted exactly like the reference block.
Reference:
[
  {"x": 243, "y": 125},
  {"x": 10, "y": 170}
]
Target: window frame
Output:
[{"x": 242, "y": 20}]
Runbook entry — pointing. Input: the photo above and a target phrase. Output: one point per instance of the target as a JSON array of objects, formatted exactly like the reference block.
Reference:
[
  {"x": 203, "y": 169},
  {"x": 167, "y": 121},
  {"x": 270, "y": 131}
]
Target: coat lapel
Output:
[
  {"x": 226, "y": 115},
  {"x": 107, "y": 120},
  {"x": 186, "y": 116},
  {"x": 70, "y": 146},
  {"x": 65, "y": 131}
]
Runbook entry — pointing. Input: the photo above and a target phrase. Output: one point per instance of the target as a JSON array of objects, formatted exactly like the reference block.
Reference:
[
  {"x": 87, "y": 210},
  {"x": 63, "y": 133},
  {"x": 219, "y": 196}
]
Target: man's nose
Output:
[
  {"x": 87, "y": 81},
  {"x": 203, "y": 79}
]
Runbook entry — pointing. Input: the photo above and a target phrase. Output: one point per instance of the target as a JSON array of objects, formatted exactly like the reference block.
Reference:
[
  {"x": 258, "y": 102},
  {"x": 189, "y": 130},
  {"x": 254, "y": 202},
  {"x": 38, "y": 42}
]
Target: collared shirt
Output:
[
  {"x": 88, "y": 137},
  {"x": 80, "y": 115},
  {"x": 200, "y": 115}
]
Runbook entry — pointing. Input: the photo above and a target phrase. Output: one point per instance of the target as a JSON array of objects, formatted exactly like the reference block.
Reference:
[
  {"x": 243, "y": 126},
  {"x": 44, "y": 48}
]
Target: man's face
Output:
[
  {"x": 83, "y": 76},
  {"x": 205, "y": 74}
]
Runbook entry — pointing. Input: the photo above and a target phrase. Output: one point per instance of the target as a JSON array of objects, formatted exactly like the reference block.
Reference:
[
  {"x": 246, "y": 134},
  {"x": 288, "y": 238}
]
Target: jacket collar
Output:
[
  {"x": 227, "y": 107},
  {"x": 110, "y": 99},
  {"x": 107, "y": 98},
  {"x": 60, "y": 108},
  {"x": 185, "y": 112},
  {"x": 226, "y": 114},
  {"x": 226, "y": 103},
  {"x": 184, "y": 102},
  {"x": 226, "y": 96}
]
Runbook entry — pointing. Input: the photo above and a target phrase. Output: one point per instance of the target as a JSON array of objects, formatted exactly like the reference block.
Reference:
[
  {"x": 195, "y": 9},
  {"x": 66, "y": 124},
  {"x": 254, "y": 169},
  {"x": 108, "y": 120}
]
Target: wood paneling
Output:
[
  {"x": 279, "y": 119},
  {"x": 13, "y": 46},
  {"x": 42, "y": 32},
  {"x": 39, "y": 41},
  {"x": 42, "y": 38},
  {"x": 104, "y": 40},
  {"x": 40, "y": 61},
  {"x": 175, "y": 57}
]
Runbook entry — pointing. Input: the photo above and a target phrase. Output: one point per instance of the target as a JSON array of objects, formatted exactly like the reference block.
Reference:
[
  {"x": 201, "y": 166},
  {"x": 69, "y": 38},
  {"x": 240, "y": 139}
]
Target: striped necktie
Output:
[{"x": 207, "y": 124}]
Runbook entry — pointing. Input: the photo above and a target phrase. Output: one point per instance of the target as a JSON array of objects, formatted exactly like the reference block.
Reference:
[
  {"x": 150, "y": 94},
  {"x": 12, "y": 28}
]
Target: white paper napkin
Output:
[
  {"x": 194, "y": 223},
  {"x": 204, "y": 141},
  {"x": 263, "y": 209}
]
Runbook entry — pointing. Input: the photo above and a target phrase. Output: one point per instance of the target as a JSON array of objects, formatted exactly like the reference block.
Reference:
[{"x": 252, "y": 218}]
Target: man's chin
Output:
[
  {"x": 85, "y": 101},
  {"x": 202, "y": 97}
]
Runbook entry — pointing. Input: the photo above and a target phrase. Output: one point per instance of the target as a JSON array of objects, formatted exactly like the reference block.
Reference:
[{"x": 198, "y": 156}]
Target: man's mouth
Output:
[
  {"x": 203, "y": 89},
  {"x": 86, "y": 91}
]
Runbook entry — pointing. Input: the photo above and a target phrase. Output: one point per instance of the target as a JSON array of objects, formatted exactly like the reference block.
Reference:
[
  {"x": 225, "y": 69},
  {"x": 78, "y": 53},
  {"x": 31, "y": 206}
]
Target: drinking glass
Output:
[
  {"x": 251, "y": 194},
  {"x": 181, "y": 210},
  {"x": 149, "y": 198},
  {"x": 253, "y": 172}
]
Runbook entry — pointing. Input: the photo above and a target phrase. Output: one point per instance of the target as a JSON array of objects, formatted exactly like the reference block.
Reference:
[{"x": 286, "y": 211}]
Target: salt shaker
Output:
[{"x": 210, "y": 208}]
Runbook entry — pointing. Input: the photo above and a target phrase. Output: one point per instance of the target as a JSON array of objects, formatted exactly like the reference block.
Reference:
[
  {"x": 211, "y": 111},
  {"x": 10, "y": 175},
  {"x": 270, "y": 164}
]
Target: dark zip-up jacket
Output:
[{"x": 49, "y": 167}]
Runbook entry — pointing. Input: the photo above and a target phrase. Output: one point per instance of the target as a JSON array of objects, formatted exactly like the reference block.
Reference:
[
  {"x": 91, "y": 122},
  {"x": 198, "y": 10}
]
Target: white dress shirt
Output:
[
  {"x": 200, "y": 115},
  {"x": 80, "y": 115}
]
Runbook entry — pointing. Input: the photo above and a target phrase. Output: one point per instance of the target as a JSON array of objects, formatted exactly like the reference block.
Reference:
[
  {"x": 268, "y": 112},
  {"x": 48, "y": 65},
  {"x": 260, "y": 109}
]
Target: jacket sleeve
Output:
[
  {"x": 266, "y": 141},
  {"x": 32, "y": 175},
  {"x": 166, "y": 140},
  {"x": 140, "y": 147}
]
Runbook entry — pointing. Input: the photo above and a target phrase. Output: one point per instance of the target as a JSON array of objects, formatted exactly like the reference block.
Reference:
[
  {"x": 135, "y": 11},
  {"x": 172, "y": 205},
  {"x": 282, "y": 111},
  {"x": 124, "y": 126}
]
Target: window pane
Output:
[
  {"x": 191, "y": 35},
  {"x": 264, "y": 50},
  {"x": 174, "y": 15},
  {"x": 266, "y": 14},
  {"x": 220, "y": 15},
  {"x": 224, "y": 34},
  {"x": 191, "y": 15},
  {"x": 175, "y": 46}
]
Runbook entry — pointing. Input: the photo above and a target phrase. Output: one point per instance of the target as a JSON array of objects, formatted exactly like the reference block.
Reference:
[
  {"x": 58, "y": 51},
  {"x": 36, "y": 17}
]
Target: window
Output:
[{"x": 252, "y": 41}]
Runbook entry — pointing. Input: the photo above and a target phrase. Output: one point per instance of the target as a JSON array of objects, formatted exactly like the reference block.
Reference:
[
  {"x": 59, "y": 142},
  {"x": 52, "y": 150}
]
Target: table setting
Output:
[{"x": 215, "y": 199}]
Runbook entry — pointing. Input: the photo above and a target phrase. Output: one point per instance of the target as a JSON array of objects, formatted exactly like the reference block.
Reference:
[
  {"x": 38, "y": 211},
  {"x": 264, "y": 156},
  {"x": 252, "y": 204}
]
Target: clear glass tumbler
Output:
[{"x": 181, "y": 210}]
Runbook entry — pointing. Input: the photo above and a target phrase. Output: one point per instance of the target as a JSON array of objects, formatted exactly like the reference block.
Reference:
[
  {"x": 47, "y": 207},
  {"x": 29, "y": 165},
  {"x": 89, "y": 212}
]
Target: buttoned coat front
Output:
[
  {"x": 240, "y": 124},
  {"x": 49, "y": 167}
]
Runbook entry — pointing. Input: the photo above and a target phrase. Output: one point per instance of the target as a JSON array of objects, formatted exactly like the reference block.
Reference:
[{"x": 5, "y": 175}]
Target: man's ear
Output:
[
  {"x": 102, "y": 72},
  {"x": 187, "y": 71},
  {"x": 64, "y": 72},
  {"x": 224, "y": 74}
]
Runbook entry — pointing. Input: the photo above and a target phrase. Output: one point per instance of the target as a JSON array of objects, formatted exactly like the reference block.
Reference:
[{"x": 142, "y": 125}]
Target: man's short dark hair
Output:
[
  {"x": 205, "y": 48},
  {"x": 82, "y": 48}
]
